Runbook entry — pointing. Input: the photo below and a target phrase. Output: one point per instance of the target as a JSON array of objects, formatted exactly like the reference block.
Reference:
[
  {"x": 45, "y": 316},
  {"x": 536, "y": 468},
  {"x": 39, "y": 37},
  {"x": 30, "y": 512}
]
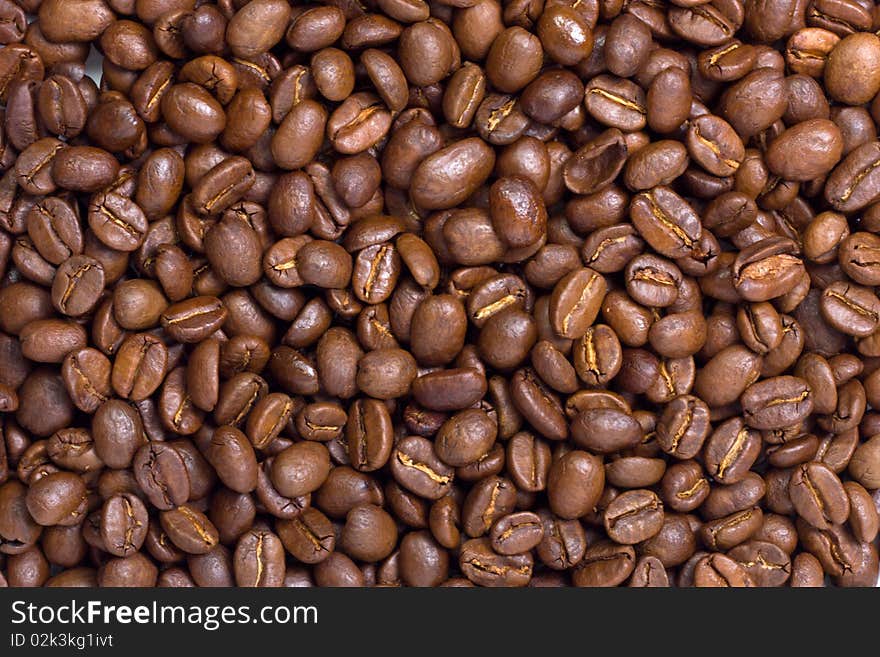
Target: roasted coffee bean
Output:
[
  {"x": 605, "y": 430},
  {"x": 50, "y": 340},
  {"x": 450, "y": 175},
  {"x": 864, "y": 460},
  {"x": 684, "y": 486},
  {"x": 57, "y": 498},
  {"x": 78, "y": 285},
  {"x": 192, "y": 112},
  {"x": 369, "y": 434},
  {"x": 806, "y": 571},
  {"x": 634, "y": 471},
  {"x": 851, "y": 185},
  {"x": 139, "y": 366},
  {"x": 449, "y": 390},
  {"x": 491, "y": 498},
  {"x": 233, "y": 249},
  {"x": 776, "y": 402},
  {"x": 483, "y": 566},
  {"x": 718, "y": 570},
  {"x": 666, "y": 221},
  {"x": 728, "y": 531},
  {"x": 649, "y": 572},
  {"x": 124, "y": 523},
  {"x": 808, "y": 150},
  {"x": 683, "y": 427},
  {"x": 576, "y": 301},
  {"x": 84, "y": 168},
  {"x": 54, "y": 228},
  {"x": 528, "y": 462},
  {"x": 863, "y": 519},
  {"x": 465, "y": 437},
  {"x": 818, "y": 495},
  {"x": 300, "y": 469},
  {"x": 416, "y": 466},
  {"x": 259, "y": 559},
  {"x": 596, "y": 164},
  {"x": 633, "y": 516},
  {"x": 438, "y": 330},
  {"x": 18, "y": 529},
  {"x": 538, "y": 405},
  {"x": 308, "y": 537},
  {"x": 138, "y": 304},
  {"x": 730, "y": 451},
  {"x": 850, "y": 308},
  {"x": 616, "y": 102},
  {"x": 369, "y": 533},
  {"x": 73, "y": 449},
  {"x": 162, "y": 475},
  {"x": 575, "y": 484},
  {"x": 233, "y": 459},
  {"x": 189, "y": 529},
  {"x": 858, "y": 50},
  {"x": 605, "y": 564},
  {"x": 517, "y": 533},
  {"x": 194, "y": 319}
]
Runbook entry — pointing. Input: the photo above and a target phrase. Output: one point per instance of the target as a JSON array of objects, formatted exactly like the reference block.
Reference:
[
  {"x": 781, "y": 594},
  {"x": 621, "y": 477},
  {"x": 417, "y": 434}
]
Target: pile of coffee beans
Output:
[{"x": 439, "y": 292}]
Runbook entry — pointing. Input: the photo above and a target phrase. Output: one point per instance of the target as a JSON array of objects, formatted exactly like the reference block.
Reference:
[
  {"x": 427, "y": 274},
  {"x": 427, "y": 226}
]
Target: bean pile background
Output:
[{"x": 450, "y": 293}]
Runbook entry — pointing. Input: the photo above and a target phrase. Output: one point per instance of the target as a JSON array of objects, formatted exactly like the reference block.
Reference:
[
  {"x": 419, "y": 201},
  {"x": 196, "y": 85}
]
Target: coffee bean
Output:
[
  {"x": 259, "y": 559},
  {"x": 539, "y": 406},
  {"x": 417, "y": 467},
  {"x": 300, "y": 469},
  {"x": 233, "y": 459},
  {"x": 851, "y": 89},
  {"x": 139, "y": 366},
  {"x": 850, "y": 308},
  {"x": 528, "y": 462},
  {"x": 51, "y": 340},
  {"x": 605, "y": 564},
  {"x": 597, "y": 163},
  {"x": 484, "y": 567},
  {"x": 634, "y": 516},
  {"x": 162, "y": 475},
  {"x": 818, "y": 495},
  {"x": 616, "y": 102},
  {"x": 77, "y": 285},
  {"x": 718, "y": 570},
  {"x": 449, "y": 390},
  {"x": 605, "y": 430},
  {"x": 730, "y": 451},
  {"x": 194, "y": 319},
  {"x": 368, "y": 432},
  {"x": 189, "y": 529},
  {"x": 466, "y": 437},
  {"x": 575, "y": 484},
  {"x": 666, "y": 221},
  {"x": 683, "y": 427},
  {"x": 124, "y": 522},
  {"x": 517, "y": 533},
  {"x": 57, "y": 498},
  {"x": 776, "y": 402},
  {"x": 309, "y": 537},
  {"x": 575, "y": 302},
  {"x": 766, "y": 269},
  {"x": 851, "y": 185},
  {"x": 806, "y": 571},
  {"x": 450, "y": 175}
]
